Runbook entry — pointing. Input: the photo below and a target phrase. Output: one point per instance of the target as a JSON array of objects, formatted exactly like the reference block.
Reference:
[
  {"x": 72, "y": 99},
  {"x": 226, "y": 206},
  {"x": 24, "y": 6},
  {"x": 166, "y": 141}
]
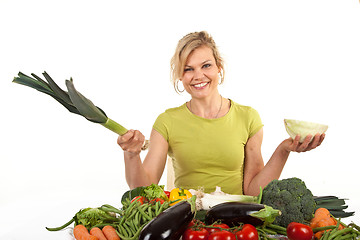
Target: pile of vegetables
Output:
[{"x": 150, "y": 212}]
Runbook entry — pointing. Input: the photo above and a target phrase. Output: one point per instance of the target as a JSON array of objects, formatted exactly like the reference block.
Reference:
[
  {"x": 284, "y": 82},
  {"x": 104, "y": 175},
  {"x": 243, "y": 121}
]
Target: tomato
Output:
[
  {"x": 167, "y": 193},
  {"x": 248, "y": 232},
  {"x": 158, "y": 200},
  {"x": 140, "y": 199},
  {"x": 222, "y": 235},
  {"x": 195, "y": 222},
  {"x": 299, "y": 231},
  {"x": 217, "y": 227},
  {"x": 195, "y": 234}
]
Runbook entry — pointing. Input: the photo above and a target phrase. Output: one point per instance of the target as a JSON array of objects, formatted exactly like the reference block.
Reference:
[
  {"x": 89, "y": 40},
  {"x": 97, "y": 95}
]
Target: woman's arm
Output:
[
  {"x": 256, "y": 174},
  {"x": 149, "y": 171}
]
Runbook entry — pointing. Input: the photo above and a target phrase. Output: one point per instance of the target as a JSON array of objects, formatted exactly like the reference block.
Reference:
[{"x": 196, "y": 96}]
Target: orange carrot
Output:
[
  {"x": 321, "y": 213},
  {"x": 110, "y": 233},
  {"x": 323, "y": 218},
  {"x": 81, "y": 233},
  {"x": 95, "y": 231}
]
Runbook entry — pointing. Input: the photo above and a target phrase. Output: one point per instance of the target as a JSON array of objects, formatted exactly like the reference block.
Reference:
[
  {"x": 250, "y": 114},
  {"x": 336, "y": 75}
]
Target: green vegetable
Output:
[
  {"x": 136, "y": 215},
  {"x": 155, "y": 191},
  {"x": 303, "y": 128},
  {"x": 334, "y": 204},
  {"x": 72, "y": 100},
  {"x": 206, "y": 201},
  {"x": 292, "y": 198},
  {"x": 152, "y": 191},
  {"x": 89, "y": 217}
]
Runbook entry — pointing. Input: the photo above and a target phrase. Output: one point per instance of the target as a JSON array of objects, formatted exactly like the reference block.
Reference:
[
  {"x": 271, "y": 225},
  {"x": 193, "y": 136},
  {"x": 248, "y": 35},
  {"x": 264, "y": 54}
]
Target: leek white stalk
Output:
[{"x": 205, "y": 201}]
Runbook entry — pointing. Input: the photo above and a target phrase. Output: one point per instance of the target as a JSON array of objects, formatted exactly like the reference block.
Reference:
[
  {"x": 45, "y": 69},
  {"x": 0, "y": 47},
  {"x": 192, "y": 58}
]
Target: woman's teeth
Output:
[{"x": 200, "y": 85}]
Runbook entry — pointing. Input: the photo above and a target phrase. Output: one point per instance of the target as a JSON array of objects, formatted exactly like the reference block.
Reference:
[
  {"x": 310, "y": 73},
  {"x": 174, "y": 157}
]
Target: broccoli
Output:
[{"x": 292, "y": 198}]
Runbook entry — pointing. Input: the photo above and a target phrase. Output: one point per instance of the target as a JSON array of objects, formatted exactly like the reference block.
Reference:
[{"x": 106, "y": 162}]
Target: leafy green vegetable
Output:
[
  {"x": 72, "y": 100},
  {"x": 303, "y": 128},
  {"x": 334, "y": 204},
  {"x": 89, "y": 217},
  {"x": 267, "y": 214},
  {"x": 155, "y": 191},
  {"x": 150, "y": 192},
  {"x": 130, "y": 194}
]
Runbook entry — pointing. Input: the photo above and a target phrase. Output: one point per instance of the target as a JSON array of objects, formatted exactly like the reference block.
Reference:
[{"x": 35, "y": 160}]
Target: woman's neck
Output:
[{"x": 211, "y": 108}]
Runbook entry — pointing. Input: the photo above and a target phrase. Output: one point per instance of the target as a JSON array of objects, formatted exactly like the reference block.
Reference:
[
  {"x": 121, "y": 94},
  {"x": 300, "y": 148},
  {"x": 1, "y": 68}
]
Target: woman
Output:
[{"x": 212, "y": 140}]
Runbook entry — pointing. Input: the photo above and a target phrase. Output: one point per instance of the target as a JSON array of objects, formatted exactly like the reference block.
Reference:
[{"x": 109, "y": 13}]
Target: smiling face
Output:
[{"x": 201, "y": 74}]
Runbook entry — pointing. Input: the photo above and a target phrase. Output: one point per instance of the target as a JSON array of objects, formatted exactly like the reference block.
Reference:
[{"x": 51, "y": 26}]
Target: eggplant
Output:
[
  {"x": 169, "y": 224},
  {"x": 235, "y": 213}
]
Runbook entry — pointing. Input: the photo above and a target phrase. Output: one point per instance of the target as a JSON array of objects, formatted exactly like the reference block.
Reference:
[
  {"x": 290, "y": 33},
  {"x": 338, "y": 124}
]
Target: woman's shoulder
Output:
[
  {"x": 241, "y": 107},
  {"x": 175, "y": 110},
  {"x": 172, "y": 112}
]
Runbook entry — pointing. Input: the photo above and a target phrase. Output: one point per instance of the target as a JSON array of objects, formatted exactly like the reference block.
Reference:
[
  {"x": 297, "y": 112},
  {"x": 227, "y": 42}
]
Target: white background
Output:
[{"x": 285, "y": 58}]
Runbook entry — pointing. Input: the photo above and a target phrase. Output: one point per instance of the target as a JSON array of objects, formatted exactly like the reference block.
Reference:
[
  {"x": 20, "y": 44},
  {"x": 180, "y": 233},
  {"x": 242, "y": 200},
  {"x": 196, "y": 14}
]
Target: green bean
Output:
[
  {"x": 134, "y": 226},
  {"x": 162, "y": 206},
  {"x": 150, "y": 212},
  {"x": 123, "y": 231},
  {"x": 135, "y": 236},
  {"x": 157, "y": 208},
  {"x": 138, "y": 217},
  {"x": 324, "y": 228},
  {"x": 132, "y": 214},
  {"x": 131, "y": 207},
  {"x": 135, "y": 219},
  {"x": 277, "y": 227},
  {"x": 325, "y": 235},
  {"x": 143, "y": 214},
  {"x": 339, "y": 232},
  {"x": 61, "y": 227},
  {"x": 127, "y": 229}
]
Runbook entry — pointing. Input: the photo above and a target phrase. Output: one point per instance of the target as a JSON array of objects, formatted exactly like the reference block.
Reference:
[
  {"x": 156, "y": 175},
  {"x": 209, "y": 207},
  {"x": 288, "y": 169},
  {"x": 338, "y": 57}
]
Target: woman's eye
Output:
[
  {"x": 207, "y": 65},
  {"x": 187, "y": 69}
]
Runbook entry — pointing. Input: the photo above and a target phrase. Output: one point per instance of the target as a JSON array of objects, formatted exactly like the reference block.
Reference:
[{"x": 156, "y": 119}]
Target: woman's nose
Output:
[{"x": 198, "y": 74}]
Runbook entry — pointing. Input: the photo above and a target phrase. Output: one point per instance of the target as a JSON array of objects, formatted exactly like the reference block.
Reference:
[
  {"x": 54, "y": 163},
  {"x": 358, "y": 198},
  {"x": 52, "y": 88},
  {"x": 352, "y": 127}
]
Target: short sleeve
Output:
[
  {"x": 162, "y": 125},
  {"x": 255, "y": 122}
]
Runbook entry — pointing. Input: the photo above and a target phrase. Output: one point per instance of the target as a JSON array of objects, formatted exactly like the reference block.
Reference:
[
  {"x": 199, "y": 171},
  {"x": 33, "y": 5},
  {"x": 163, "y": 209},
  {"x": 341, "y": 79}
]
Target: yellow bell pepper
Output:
[{"x": 178, "y": 194}]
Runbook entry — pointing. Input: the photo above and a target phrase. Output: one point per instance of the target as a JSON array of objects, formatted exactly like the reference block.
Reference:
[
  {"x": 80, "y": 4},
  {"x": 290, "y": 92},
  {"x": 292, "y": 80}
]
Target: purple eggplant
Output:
[
  {"x": 235, "y": 213},
  {"x": 170, "y": 224}
]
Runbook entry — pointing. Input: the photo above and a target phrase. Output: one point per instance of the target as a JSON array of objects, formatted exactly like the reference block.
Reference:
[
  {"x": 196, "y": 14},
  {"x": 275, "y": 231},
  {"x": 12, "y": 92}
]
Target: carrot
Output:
[
  {"x": 95, "y": 231},
  {"x": 321, "y": 213},
  {"x": 323, "y": 218},
  {"x": 81, "y": 233},
  {"x": 110, "y": 233}
]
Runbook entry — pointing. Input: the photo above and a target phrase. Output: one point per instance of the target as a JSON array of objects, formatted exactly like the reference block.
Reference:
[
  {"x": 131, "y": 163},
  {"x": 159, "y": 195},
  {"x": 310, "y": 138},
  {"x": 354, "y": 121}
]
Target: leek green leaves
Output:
[{"x": 71, "y": 99}]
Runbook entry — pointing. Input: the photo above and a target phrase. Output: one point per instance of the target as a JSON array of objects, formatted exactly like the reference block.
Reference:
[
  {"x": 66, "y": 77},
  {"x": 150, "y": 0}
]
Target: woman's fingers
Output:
[
  {"x": 131, "y": 141},
  {"x": 308, "y": 144}
]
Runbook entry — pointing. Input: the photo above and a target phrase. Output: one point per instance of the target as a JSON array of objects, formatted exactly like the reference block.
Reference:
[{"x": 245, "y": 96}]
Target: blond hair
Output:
[{"x": 185, "y": 47}]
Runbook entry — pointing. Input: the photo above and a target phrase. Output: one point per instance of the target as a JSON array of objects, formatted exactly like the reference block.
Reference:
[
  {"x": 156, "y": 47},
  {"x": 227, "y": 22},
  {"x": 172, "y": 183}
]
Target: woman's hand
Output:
[
  {"x": 307, "y": 145},
  {"x": 131, "y": 142}
]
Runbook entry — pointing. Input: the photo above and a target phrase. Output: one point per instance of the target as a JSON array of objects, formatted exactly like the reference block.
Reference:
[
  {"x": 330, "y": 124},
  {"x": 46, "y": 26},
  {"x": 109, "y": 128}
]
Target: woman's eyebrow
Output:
[{"x": 206, "y": 61}]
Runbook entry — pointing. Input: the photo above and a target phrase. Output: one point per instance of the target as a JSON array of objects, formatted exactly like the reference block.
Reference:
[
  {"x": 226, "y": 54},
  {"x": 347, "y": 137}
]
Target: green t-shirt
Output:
[{"x": 208, "y": 152}]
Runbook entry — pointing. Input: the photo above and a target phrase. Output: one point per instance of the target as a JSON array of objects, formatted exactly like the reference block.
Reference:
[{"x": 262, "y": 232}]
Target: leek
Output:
[{"x": 72, "y": 100}]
